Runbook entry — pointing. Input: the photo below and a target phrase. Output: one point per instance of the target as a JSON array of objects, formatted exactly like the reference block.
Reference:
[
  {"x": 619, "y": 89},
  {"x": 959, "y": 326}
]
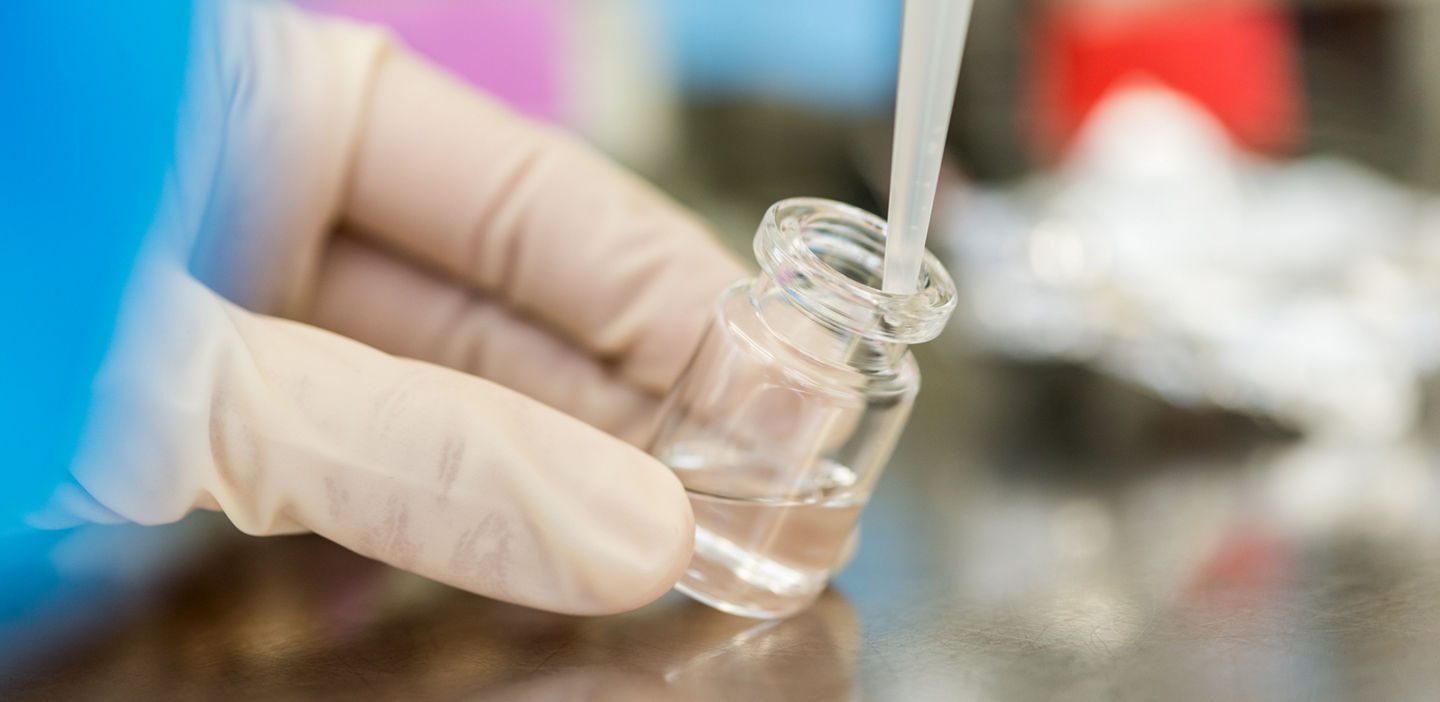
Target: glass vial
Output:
[{"x": 789, "y": 410}]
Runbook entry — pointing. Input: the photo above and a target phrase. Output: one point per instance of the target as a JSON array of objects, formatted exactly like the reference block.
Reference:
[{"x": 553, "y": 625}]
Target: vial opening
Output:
[
  {"x": 829, "y": 259},
  {"x": 860, "y": 261}
]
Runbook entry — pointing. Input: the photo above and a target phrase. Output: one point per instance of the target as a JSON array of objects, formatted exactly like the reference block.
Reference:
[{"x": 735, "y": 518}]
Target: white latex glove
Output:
[{"x": 330, "y": 178}]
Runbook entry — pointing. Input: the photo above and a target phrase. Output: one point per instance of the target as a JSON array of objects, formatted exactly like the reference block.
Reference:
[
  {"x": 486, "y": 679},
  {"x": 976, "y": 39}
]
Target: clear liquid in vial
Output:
[{"x": 760, "y": 557}]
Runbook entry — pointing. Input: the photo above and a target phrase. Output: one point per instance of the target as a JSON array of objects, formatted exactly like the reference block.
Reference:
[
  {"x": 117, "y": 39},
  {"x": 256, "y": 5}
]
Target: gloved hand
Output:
[{"x": 337, "y": 200}]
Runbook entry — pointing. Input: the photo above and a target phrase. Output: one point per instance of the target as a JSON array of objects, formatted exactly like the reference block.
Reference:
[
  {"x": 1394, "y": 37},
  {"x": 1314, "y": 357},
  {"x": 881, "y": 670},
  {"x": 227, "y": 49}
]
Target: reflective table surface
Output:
[{"x": 1042, "y": 533}]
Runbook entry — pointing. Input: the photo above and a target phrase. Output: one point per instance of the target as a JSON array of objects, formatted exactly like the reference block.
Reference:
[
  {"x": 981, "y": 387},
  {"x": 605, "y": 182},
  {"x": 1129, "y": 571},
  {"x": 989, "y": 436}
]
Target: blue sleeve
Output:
[{"x": 89, "y": 95}]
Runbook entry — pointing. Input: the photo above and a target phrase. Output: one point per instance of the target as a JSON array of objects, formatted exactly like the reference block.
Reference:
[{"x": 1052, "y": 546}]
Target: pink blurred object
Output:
[{"x": 510, "y": 48}]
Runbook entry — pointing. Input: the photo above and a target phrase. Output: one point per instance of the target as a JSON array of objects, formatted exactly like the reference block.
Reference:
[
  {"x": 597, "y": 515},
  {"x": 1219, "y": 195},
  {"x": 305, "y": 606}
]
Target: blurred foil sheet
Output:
[{"x": 1306, "y": 291}]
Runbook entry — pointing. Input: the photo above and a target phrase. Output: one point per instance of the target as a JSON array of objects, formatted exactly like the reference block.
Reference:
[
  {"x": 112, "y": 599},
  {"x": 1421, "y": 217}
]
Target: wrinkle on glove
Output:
[
  {"x": 406, "y": 310},
  {"x": 556, "y": 288}
]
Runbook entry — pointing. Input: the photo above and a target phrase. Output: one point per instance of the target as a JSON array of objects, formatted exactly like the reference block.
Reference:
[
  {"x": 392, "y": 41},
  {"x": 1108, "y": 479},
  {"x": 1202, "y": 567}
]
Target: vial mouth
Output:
[{"x": 829, "y": 258}]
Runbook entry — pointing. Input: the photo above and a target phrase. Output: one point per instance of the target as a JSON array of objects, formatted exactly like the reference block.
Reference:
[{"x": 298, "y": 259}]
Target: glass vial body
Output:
[{"x": 791, "y": 406}]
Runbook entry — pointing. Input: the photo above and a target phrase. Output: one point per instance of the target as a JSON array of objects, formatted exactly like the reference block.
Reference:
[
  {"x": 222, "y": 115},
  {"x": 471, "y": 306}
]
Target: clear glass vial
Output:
[{"x": 789, "y": 410}]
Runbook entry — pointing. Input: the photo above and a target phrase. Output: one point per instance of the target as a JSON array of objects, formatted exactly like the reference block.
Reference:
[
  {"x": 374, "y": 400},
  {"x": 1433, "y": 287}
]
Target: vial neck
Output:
[{"x": 805, "y": 323}]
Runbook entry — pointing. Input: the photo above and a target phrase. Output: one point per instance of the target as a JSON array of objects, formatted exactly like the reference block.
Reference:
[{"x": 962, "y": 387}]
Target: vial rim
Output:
[{"x": 785, "y": 256}]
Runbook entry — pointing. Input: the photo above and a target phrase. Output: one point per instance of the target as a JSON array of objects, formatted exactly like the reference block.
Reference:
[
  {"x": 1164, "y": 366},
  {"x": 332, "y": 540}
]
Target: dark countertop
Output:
[{"x": 1041, "y": 534}]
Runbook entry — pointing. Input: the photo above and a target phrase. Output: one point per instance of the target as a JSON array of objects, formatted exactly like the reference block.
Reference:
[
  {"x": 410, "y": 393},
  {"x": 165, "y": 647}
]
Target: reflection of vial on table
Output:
[{"x": 790, "y": 408}]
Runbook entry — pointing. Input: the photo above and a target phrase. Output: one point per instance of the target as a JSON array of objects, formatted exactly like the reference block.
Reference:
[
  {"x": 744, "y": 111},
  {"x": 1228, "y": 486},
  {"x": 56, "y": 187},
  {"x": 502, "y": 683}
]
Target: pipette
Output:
[{"x": 931, "y": 42}]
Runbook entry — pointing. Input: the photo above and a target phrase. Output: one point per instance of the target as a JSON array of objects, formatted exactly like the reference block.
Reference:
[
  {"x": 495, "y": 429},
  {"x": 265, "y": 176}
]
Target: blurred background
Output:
[
  {"x": 805, "y": 87},
  {"x": 1189, "y": 391}
]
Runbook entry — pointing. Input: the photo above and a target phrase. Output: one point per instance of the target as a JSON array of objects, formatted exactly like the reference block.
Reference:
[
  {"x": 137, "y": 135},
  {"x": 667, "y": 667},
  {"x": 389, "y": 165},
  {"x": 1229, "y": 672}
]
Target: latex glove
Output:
[{"x": 330, "y": 178}]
